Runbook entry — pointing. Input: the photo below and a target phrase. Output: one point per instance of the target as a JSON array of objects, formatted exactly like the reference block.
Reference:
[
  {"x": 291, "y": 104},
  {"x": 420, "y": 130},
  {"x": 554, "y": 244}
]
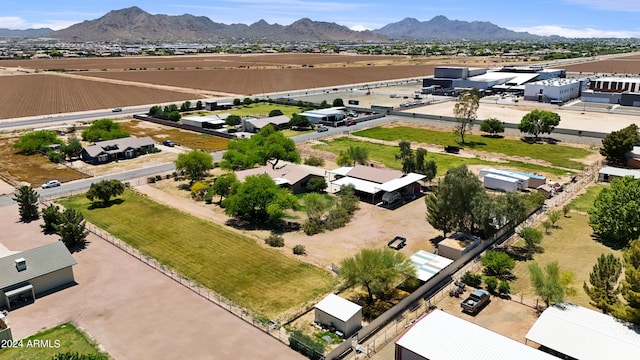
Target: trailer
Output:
[
  {"x": 523, "y": 180},
  {"x": 501, "y": 182}
]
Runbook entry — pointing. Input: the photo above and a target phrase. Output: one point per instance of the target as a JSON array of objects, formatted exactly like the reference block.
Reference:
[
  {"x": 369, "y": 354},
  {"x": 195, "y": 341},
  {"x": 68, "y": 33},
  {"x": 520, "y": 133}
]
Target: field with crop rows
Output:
[
  {"x": 258, "y": 81},
  {"x": 621, "y": 65},
  {"x": 43, "y": 94}
]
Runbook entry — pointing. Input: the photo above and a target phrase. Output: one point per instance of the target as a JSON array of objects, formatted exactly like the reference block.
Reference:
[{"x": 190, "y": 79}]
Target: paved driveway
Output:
[{"x": 131, "y": 310}]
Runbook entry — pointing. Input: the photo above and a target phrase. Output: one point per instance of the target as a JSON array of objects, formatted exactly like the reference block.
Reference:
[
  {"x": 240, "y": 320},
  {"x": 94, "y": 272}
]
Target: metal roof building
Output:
[
  {"x": 609, "y": 173},
  {"x": 29, "y": 273},
  {"x": 428, "y": 264},
  {"x": 344, "y": 315},
  {"x": 442, "y": 336},
  {"x": 585, "y": 334}
]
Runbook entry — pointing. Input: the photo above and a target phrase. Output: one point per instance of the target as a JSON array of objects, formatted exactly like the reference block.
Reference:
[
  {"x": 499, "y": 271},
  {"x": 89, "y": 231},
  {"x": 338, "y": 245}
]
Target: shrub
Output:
[
  {"x": 312, "y": 227},
  {"x": 275, "y": 240},
  {"x": 316, "y": 184},
  {"x": 208, "y": 197},
  {"x": 492, "y": 283},
  {"x": 299, "y": 250},
  {"x": 198, "y": 190},
  {"x": 471, "y": 279},
  {"x": 158, "y": 177},
  {"x": 151, "y": 180},
  {"x": 306, "y": 345},
  {"x": 54, "y": 156},
  {"x": 314, "y": 161},
  {"x": 504, "y": 287},
  {"x": 337, "y": 218}
]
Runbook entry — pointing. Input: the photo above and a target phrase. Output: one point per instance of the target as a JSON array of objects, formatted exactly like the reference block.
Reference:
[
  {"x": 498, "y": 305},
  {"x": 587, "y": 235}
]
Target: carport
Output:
[{"x": 22, "y": 294}]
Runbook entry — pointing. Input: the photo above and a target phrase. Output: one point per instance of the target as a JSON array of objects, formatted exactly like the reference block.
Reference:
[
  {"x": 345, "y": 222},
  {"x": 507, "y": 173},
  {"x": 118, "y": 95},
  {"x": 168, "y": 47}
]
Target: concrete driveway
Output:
[{"x": 132, "y": 310}]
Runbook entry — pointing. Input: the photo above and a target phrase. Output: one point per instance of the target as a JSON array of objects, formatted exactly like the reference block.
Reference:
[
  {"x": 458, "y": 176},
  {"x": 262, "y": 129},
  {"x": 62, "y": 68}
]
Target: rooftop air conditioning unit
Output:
[{"x": 21, "y": 264}]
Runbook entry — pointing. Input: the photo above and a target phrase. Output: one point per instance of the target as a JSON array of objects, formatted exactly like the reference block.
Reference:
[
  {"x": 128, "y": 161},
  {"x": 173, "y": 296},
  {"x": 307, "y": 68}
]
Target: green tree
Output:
[
  {"x": 546, "y": 224},
  {"x": 72, "y": 229},
  {"x": 73, "y": 148},
  {"x": 604, "y": 278},
  {"x": 504, "y": 287},
  {"x": 631, "y": 282},
  {"x": 103, "y": 129},
  {"x": 104, "y": 190},
  {"x": 225, "y": 184},
  {"x": 539, "y": 122},
  {"x": 458, "y": 202},
  {"x": 257, "y": 199},
  {"x": 275, "y": 112},
  {"x": 52, "y": 217},
  {"x": 267, "y": 146},
  {"x": 316, "y": 184},
  {"x": 315, "y": 206},
  {"x": 554, "y": 216},
  {"x": 378, "y": 271},
  {"x": 198, "y": 105},
  {"x": 407, "y": 157},
  {"x": 511, "y": 209},
  {"x": 532, "y": 237},
  {"x": 299, "y": 121},
  {"x": 233, "y": 120},
  {"x": 324, "y": 104},
  {"x": 195, "y": 164},
  {"x": 492, "y": 126},
  {"x": 36, "y": 142},
  {"x": 27, "y": 199},
  {"x": 338, "y": 102},
  {"x": 247, "y": 101},
  {"x": 498, "y": 263},
  {"x": 352, "y": 156},
  {"x": 466, "y": 111},
  {"x": 617, "y": 144},
  {"x": 237, "y": 102},
  {"x": 615, "y": 216},
  {"x": 492, "y": 283},
  {"x": 551, "y": 285}
]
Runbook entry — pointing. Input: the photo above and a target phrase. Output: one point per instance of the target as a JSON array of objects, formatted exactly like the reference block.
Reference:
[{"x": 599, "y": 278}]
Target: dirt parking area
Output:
[{"x": 132, "y": 310}]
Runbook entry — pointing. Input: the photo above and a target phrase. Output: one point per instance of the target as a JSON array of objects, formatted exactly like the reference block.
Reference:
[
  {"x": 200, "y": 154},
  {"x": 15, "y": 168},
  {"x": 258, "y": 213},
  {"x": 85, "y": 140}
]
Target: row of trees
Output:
[
  {"x": 40, "y": 142},
  {"x": 70, "y": 224},
  {"x": 465, "y": 111},
  {"x": 416, "y": 161},
  {"x": 173, "y": 112}
]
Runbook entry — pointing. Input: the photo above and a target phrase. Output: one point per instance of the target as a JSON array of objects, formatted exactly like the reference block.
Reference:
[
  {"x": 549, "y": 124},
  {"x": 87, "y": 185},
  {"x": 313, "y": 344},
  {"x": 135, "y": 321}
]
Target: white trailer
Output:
[
  {"x": 523, "y": 180},
  {"x": 501, "y": 182}
]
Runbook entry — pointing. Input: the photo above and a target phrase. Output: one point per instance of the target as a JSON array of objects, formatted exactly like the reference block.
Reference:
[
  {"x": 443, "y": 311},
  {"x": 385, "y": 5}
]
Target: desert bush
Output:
[
  {"x": 492, "y": 283},
  {"x": 312, "y": 227},
  {"x": 314, "y": 161},
  {"x": 274, "y": 240},
  {"x": 299, "y": 250}
]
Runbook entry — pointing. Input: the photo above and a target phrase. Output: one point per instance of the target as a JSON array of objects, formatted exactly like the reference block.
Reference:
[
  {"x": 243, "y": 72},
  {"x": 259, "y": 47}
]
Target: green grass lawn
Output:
[
  {"x": 66, "y": 337},
  {"x": 584, "y": 202},
  {"x": 556, "y": 155},
  {"x": 386, "y": 155},
  {"x": 262, "y": 109},
  {"x": 574, "y": 249},
  {"x": 260, "y": 279}
]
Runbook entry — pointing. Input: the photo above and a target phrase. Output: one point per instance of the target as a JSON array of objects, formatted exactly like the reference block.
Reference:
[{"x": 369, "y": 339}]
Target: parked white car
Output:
[{"x": 50, "y": 184}]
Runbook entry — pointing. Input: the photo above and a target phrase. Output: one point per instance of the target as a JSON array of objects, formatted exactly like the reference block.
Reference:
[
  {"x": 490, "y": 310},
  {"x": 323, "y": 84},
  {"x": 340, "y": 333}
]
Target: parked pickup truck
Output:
[{"x": 476, "y": 301}]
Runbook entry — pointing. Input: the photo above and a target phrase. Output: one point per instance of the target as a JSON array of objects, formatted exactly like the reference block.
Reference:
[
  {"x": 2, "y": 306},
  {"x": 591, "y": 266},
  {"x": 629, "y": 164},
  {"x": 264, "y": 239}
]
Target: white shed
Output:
[{"x": 342, "y": 314}]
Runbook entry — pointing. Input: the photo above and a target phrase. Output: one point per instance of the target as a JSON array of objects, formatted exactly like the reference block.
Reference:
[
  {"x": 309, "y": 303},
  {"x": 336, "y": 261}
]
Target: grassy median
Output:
[{"x": 263, "y": 280}]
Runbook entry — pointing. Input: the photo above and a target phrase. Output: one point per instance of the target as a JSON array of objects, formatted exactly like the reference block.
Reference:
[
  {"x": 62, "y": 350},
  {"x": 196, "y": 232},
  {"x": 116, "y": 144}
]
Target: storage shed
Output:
[
  {"x": 30, "y": 273},
  {"x": 501, "y": 182},
  {"x": 574, "y": 332},
  {"x": 608, "y": 173},
  {"x": 340, "y": 314},
  {"x": 457, "y": 245},
  {"x": 523, "y": 182},
  {"x": 441, "y": 336}
]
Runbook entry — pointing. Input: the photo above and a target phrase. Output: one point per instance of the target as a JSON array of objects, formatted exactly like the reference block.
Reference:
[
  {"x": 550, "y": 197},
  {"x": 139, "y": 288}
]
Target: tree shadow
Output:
[
  {"x": 79, "y": 247},
  {"x": 610, "y": 243},
  {"x": 279, "y": 227},
  {"x": 520, "y": 253},
  {"x": 472, "y": 144},
  {"x": 104, "y": 205},
  {"x": 492, "y": 136},
  {"x": 436, "y": 240}
]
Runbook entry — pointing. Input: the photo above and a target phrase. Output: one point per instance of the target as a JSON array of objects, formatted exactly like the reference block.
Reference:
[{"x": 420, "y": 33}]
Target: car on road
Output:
[
  {"x": 169, "y": 143},
  {"x": 116, "y": 109},
  {"x": 50, "y": 184},
  {"x": 351, "y": 122},
  {"x": 322, "y": 128}
]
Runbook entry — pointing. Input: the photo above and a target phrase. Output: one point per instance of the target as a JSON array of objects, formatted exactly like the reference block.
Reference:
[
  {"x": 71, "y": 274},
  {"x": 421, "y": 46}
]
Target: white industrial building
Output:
[
  {"x": 206, "y": 122},
  {"x": 442, "y": 336},
  {"x": 574, "y": 332},
  {"x": 553, "y": 90},
  {"x": 523, "y": 180},
  {"x": 340, "y": 314},
  {"x": 330, "y": 116}
]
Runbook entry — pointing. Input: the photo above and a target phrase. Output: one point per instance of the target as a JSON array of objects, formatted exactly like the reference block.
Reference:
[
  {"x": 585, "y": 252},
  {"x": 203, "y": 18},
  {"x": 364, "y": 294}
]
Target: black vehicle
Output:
[{"x": 168, "y": 143}]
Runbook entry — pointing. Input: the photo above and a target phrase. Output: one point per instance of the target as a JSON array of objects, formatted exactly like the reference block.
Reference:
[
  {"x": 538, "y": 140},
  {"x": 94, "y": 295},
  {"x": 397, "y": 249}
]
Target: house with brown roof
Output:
[
  {"x": 291, "y": 176},
  {"x": 118, "y": 149}
]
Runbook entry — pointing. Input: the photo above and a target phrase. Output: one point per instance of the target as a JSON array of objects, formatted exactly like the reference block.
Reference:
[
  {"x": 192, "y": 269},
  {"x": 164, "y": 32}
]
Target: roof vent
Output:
[{"x": 21, "y": 264}]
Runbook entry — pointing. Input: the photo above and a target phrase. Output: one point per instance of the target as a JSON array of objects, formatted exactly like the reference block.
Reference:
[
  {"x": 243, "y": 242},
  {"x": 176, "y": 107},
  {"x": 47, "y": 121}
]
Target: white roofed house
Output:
[{"x": 339, "y": 314}]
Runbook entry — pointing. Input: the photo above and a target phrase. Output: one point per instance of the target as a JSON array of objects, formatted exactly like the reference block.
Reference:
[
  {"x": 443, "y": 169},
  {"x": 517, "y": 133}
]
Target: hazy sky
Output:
[{"x": 570, "y": 18}]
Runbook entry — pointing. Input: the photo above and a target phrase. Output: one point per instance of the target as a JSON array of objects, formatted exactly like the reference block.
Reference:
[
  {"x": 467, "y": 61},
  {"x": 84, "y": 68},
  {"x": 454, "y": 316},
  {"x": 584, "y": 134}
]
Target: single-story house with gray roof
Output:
[
  {"x": 117, "y": 149},
  {"x": 254, "y": 125},
  {"x": 287, "y": 175},
  {"x": 30, "y": 273}
]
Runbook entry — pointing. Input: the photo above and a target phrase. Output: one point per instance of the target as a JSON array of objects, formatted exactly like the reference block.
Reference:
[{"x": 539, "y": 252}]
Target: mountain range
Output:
[{"x": 136, "y": 25}]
